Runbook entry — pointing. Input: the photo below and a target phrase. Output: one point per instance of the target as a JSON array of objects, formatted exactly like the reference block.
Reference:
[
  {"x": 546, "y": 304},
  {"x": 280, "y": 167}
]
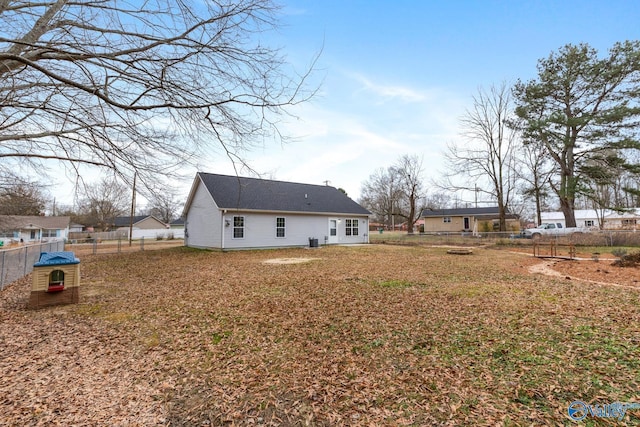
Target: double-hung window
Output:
[
  {"x": 238, "y": 227},
  {"x": 280, "y": 227},
  {"x": 351, "y": 227}
]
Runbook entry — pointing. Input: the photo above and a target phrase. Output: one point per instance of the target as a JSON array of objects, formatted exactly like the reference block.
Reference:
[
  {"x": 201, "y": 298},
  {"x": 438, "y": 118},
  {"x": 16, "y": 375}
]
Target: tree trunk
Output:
[
  {"x": 503, "y": 215},
  {"x": 567, "y": 193},
  {"x": 567, "y": 208},
  {"x": 538, "y": 198},
  {"x": 412, "y": 214}
]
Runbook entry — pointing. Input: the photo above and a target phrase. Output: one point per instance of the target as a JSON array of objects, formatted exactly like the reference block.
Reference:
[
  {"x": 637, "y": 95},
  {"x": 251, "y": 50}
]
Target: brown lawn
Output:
[{"x": 363, "y": 335}]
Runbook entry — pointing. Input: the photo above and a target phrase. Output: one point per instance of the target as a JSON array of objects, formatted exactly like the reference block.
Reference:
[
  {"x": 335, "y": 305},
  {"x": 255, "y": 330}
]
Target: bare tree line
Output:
[{"x": 138, "y": 87}]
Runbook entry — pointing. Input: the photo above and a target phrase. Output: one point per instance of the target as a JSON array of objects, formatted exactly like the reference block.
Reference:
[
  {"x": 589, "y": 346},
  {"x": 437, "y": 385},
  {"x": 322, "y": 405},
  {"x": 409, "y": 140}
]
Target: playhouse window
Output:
[
  {"x": 56, "y": 281},
  {"x": 56, "y": 277}
]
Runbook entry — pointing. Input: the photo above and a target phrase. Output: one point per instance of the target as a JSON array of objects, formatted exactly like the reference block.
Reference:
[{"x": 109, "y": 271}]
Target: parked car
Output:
[{"x": 553, "y": 229}]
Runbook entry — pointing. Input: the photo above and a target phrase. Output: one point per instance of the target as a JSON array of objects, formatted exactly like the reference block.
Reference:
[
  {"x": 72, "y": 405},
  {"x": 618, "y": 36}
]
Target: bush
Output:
[
  {"x": 631, "y": 260},
  {"x": 619, "y": 252}
]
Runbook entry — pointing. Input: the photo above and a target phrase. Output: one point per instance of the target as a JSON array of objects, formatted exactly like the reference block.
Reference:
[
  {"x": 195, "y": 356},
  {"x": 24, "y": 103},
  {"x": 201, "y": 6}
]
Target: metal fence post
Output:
[
  {"x": 26, "y": 254},
  {"x": 142, "y": 244},
  {"x": 2, "y": 271}
]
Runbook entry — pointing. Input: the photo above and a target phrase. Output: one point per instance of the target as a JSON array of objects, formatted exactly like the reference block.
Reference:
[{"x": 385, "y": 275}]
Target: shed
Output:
[{"x": 56, "y": 280}]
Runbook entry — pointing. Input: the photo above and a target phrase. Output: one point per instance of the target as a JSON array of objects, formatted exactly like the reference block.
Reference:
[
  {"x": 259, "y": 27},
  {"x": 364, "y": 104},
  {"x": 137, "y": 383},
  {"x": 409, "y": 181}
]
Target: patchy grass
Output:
[{"x": 367, "y": 335}]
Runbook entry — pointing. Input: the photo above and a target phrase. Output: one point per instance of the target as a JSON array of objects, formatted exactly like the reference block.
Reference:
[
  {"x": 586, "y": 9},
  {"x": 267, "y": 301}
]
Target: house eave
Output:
[{"x": 268, "y": 211}]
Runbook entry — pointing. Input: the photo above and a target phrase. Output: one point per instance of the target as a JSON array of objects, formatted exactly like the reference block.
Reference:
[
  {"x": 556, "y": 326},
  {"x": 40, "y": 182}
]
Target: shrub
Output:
[
  {"x": 619, "y": 252},
  {"x": 630, "y": 260}
]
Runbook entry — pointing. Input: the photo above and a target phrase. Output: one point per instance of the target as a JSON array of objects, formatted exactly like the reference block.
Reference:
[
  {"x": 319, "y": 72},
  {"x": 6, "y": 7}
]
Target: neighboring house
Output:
[
  {"x": 467, "y": 220},
  {"x": 231, "y": 212},
  {"x": 609, "y": 219},
  {"x": 177, "y": 224},
  {"x": 27, "y": 229},
  {"x": 627, "y": 220},
  {"x": 76, "y": 228},
  {"x": 417, "y": 226},
  {"x": 140, "y": 222},
  {"x": 584, "y": 217}
]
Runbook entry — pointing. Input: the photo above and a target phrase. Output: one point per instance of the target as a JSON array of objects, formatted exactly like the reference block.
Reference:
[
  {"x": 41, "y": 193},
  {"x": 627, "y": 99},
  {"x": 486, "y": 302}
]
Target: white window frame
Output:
[
  {"x": 238, "y": 227},
  {"x": 351, "y": 227},
  {"x": 282, "y": 227},
  {"x": 446, "y": 219}
]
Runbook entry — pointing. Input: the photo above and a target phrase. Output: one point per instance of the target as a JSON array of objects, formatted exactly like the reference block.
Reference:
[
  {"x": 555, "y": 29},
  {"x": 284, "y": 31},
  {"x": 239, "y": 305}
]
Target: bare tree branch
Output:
[{"x": 142, "y": 86}]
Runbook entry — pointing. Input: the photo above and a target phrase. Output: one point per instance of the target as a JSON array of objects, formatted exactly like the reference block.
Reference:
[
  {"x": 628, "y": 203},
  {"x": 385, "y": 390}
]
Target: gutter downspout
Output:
[
  {"x": 366, "y": 221},
  {"x": 224, "y": 212}
]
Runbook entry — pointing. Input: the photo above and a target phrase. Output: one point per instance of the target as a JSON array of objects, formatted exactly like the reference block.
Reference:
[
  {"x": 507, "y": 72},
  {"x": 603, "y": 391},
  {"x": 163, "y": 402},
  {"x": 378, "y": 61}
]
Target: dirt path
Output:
[{"x": 583, "y": 269}]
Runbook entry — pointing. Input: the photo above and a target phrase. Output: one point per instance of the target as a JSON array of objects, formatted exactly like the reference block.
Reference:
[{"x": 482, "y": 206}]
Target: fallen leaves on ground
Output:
[{"x": 364, "y": 335}]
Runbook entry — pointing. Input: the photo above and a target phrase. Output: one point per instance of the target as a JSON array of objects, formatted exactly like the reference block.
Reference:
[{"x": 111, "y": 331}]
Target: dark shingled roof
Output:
[
  {"x": 490, "y": 211},
  {"x": 125, "y": 221},
  {"x": 234, "y": 192}
]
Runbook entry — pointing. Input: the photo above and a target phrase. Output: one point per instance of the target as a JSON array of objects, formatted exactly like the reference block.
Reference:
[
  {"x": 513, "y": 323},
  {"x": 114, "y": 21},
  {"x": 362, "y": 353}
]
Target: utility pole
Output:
[
  {"x": 133, "y": 207},
  {"x": 476, "y": 186}
]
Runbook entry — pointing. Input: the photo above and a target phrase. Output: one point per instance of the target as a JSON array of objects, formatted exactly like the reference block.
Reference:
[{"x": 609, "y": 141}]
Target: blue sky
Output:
[{"x": 397, "y": 76}]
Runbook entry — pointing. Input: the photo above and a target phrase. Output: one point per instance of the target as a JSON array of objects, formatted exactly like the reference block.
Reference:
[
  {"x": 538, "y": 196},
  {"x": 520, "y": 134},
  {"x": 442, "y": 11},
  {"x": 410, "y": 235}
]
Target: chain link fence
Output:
[
  {"x": 18, "y": 262},
  {"x": 611, "y": 239}
]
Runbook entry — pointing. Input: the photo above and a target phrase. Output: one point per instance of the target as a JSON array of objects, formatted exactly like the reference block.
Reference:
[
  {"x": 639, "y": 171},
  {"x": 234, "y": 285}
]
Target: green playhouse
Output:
[{"x": 56, "y": 280}]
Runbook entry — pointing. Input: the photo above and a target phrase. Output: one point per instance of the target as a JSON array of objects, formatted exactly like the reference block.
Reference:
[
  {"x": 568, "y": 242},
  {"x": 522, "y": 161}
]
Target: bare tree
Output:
[
  {"x": 394, "y": 192},
  {"x": 437, "y": 200},
  {"x": 381, "y": 195},
  {"x": 486, "y": 159},
  {"x": 104, "y": 201},
  {"x": 534, "y": 173},
  {"x": 164, "y": 206},
  {"x": 22, "y": 198},
  {"x": 139, "y": 86},
  {"x": 409, "y": 171}
]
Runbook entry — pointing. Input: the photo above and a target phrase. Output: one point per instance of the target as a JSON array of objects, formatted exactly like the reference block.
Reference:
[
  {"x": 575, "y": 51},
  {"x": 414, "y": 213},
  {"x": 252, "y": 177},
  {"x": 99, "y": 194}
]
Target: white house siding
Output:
[
  {"x": 42, "y": 235},
  {"x": 260, "y": 230},
  {"x": 590, "y": 218},
  {"x": 203, "y": 223},
  {"x": 158, "y": 233}
]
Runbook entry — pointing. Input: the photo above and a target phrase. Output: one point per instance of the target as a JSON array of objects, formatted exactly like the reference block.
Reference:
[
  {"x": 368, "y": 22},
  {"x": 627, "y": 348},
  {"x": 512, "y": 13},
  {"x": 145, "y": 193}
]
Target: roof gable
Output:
[
  {"x": 240, "y": 193},
  {"x": 25, "y": 222},
  {"x": 125, "y": 221},
  {"x": 56, "y": 258}
]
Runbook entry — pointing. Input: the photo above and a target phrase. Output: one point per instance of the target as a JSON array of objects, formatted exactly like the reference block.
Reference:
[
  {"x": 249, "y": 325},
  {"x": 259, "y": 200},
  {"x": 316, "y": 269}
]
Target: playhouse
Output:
[{"x": 56, "y": 280}]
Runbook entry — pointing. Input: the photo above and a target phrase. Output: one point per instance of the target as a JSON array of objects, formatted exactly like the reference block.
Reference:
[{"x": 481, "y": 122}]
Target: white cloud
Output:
[{"x": 403, "y": 93}]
